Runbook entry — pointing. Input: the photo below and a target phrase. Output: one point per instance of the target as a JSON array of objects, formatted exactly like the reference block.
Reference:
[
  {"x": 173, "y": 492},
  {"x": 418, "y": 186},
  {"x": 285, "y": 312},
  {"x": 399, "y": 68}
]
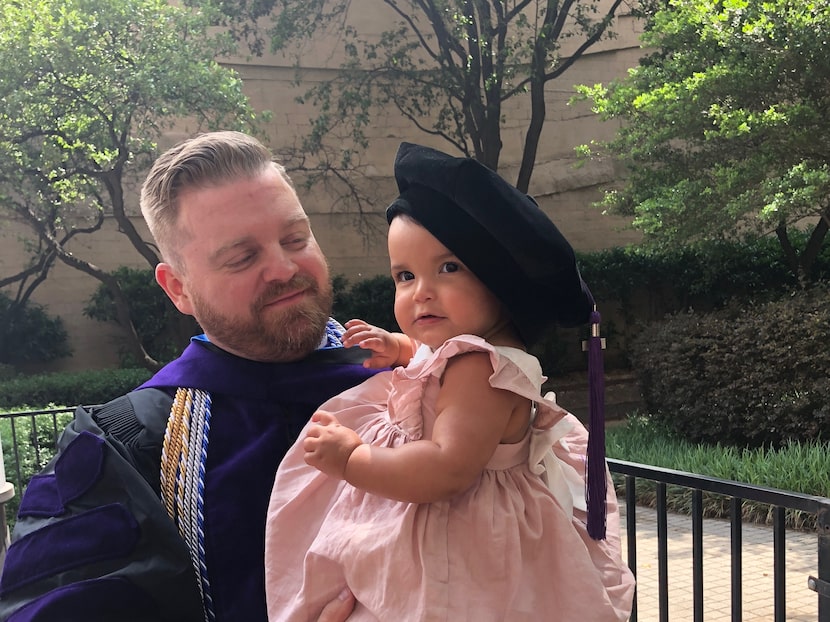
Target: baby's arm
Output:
[
  {"x": 471, "y": 420},
  {"x": 388, "y": 349}
]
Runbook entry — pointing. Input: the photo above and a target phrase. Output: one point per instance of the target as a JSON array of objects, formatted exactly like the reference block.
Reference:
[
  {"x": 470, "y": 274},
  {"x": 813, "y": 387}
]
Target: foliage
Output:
[
  {"x": 637, "y": 285},
  {"x": 28, "y": 445},
  {"x": 633, "y": 286},
  {"x": 29, "y": 335},
  {"x": 644, "y": 283},
  {"x": 87, "y": 87},
  {"x": 371, "y": 300},
  {"x": 738, "y": 377},
  {"x": 163, "y": 331},
  {"x": 724, "y": 123},
  {"x": 797, "y": 467},
  {"x": 448, "y": 67},
  {"x": 84, "y": 387},
  {"x": 715, "y": 270},
  {"x": 704, "y": 275}
]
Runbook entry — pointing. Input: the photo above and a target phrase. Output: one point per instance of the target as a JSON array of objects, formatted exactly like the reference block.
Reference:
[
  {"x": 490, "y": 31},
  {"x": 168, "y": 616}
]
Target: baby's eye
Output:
[
  {"x": 450, "y": 266},
  {"x": 404, "y": 275}
]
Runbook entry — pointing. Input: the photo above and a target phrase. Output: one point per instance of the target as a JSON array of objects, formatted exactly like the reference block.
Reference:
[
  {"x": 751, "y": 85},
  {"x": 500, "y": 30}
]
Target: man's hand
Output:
[
  {"x": 339, "y": 609},
  {"x": 388, "y": 349},
  {"x": 328, "y": 444}
]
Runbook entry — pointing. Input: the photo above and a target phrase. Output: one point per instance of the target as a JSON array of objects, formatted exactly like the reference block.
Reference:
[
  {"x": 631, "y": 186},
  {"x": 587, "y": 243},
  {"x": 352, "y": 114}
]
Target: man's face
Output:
[{"x": 253, "y": 275}]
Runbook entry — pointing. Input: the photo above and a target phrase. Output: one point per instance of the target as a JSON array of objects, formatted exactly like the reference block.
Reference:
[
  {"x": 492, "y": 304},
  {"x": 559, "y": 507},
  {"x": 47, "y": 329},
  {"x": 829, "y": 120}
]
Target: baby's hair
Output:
[{"x": 403, "y": 216}]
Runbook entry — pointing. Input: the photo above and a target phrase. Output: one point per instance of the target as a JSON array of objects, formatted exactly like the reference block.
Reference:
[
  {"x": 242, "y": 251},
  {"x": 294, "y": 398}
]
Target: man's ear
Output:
[{"x": 174, "y": 287}]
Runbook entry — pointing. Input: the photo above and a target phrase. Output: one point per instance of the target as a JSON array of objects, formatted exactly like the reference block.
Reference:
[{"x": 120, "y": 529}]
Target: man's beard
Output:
[{"x": 268, "y": 335}]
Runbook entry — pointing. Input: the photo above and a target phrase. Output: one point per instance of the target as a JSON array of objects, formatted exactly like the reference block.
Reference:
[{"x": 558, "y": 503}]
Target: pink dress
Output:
[{"x": 514, "y": 547}]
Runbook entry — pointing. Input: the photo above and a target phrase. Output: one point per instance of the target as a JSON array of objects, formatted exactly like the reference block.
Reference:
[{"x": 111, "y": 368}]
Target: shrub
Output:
[
  {"x": 637, "y": 285},
  {"x": 753, "y": 378},
  {"x": 371, "y": 300},
  {"x": 7, "y": 372},
  {"x": 29, "y": 335},
  {"x": 163, "y": 331},
  {"x": 72, "y": 388}
]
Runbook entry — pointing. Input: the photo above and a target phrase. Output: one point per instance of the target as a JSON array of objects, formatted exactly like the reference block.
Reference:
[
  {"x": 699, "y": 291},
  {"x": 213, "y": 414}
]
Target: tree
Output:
[
  {"x": 725, "y": 124},
  {"x": 448, "y": 66},
  {"x": 86, "y": 89}
]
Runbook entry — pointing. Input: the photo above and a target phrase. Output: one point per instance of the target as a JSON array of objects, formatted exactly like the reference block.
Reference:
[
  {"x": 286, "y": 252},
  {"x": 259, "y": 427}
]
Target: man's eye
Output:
[
  {"x": 404, "y": 275},
  {"x": 450, "y": 266},
  {"x": 295, "y": 243},
  {"x": 241, "y": 260}
]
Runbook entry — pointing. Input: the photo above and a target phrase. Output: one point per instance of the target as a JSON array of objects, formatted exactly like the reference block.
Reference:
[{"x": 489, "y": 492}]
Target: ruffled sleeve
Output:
[{"x": 556, "y": 436}]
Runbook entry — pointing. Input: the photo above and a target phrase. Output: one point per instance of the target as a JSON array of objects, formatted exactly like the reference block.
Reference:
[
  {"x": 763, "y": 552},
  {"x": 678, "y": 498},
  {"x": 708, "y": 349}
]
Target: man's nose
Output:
[{"x": 279, "y": 265}]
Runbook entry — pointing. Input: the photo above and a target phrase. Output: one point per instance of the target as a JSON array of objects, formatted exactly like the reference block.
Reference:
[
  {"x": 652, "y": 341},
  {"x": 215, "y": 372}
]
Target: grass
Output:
[{"x": 803, "y": 468}]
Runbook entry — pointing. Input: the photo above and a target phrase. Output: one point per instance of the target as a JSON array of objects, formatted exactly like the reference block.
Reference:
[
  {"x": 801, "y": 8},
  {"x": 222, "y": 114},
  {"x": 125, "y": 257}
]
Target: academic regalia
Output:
[{"x": 93, "y": 539}]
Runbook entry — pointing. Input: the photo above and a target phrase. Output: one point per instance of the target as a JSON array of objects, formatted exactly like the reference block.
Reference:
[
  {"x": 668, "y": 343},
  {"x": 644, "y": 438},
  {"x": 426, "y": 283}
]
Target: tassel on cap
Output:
[{"x": 597, "y": 484}]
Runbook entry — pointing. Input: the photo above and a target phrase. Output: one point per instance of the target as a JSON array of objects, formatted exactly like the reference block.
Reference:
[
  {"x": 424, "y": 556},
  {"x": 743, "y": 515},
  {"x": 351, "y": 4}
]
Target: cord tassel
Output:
[{"x": 597, "y": 484}]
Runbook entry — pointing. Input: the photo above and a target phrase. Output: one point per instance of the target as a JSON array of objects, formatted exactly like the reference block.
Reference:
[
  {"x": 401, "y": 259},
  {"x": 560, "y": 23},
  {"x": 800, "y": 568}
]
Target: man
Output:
[{"x": 154, "y": 508}]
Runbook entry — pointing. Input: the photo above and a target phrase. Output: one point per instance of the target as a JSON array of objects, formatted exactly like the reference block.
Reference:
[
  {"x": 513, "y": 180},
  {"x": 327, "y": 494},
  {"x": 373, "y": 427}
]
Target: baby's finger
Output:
[
  {"x": 377, "y": 362},
  {"x": 310, "y": 458},
  {"x": 324, "y": 418},
  {"x": 375, "y": 344},
  {"x": 354, "y": 336},
  {"x": 355, "y": 322},
  {"x": 353, "y": 326}
]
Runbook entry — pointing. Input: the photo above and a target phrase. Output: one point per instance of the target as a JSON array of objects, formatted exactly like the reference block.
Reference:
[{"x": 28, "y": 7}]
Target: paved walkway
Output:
[{"x": 800, "y": 560}]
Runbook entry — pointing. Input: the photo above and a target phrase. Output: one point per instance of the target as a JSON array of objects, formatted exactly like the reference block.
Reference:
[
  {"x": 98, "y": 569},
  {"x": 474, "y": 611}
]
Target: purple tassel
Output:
[{"x": 596, "y": 487}]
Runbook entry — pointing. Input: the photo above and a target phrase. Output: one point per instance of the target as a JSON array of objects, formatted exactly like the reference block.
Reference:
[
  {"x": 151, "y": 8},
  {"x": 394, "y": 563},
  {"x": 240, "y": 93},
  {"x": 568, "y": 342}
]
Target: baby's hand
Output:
[
  {"x": 328, "y": 444},
  {"x": 388, "y": 349}
]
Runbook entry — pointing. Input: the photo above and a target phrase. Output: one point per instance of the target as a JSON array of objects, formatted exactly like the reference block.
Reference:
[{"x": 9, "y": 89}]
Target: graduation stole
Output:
[{"x": 183, "y": 456}]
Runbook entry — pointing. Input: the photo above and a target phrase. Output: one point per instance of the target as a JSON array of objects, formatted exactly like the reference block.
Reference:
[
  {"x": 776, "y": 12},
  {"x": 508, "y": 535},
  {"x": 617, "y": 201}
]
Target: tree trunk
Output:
[
  {"x": 534, "y": 129},
  {"x": 790, "y": 254},
  {"x": 121, "y": 306},
  {"x": 112, "y": 181},
  {"x": 814, "y": 244}
]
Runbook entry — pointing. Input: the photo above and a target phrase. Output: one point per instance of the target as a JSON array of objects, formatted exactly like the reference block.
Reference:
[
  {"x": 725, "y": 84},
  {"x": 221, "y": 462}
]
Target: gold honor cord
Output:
[{"x": 183, "y": 455}]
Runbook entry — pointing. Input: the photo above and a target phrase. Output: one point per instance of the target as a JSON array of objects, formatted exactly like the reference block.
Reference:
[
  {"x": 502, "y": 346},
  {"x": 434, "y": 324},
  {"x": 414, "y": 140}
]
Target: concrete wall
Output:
[{"x": 355, "y": 246}]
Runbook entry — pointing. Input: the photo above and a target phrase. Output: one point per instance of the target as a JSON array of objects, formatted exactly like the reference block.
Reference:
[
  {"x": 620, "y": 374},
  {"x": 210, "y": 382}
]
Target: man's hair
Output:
[{"x": 208, "y": 160}]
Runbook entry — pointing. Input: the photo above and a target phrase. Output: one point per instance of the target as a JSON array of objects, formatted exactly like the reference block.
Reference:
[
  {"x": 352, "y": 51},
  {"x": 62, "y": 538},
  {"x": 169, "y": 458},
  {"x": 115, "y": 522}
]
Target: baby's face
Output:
[{"x": 436, "y": 296}]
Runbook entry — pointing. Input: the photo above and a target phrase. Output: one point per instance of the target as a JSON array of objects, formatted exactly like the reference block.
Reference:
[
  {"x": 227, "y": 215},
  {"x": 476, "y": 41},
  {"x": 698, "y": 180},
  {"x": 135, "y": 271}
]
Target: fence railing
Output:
[
  {"x": 737, "y": 493},
  {"x": 29, "y": 440},
  {"x": 32, "y": 436}
]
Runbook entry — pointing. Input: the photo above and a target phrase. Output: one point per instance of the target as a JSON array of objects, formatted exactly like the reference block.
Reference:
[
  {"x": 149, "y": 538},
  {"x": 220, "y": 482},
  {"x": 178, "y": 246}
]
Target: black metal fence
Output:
[
  {"x": 29, "y": 439},
  {"x": 32, "y": 436},
  {"x": 779, "y": 500}
]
